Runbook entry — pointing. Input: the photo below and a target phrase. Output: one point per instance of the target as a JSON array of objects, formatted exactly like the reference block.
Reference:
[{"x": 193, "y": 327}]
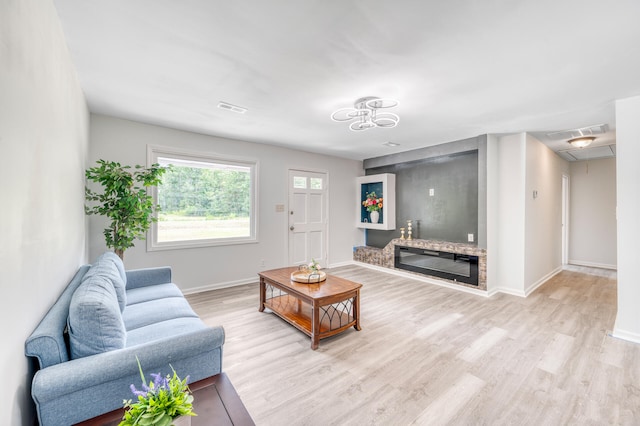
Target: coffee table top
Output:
[
  {"x": 332, "y": 286},
  {"x": 215, "y": 400}
]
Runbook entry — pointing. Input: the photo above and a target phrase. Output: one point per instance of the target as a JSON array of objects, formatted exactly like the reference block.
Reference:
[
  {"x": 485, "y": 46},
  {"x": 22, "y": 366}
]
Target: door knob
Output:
[{"x": 291, "y": 228}]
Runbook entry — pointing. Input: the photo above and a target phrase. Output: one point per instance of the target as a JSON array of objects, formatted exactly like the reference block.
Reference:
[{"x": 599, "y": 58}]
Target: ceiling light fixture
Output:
[
  {"x": 582, "y": 141},
  {"x": 391, "y": 144},
  {"x": 366, "y": 114}
]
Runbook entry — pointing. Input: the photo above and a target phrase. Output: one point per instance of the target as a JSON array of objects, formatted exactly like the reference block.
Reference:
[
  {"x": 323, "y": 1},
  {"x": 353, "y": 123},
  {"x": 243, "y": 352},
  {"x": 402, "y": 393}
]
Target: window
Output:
[
  {"x": 316, "y": 183},
  {"x": 204, "y": 200},
  {"x": 300, "y": 182}
]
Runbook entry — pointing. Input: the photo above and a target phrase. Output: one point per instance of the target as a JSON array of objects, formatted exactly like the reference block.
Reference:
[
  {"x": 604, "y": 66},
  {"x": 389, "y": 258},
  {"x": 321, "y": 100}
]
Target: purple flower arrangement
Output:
[{"x": 159, "y": 402}]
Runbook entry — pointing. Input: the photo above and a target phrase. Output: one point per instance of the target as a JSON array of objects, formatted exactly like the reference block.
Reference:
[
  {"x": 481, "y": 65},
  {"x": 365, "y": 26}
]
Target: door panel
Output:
[
  {"x": 307, "y": 217},
  {"x": 299, "y": 216},
  {"x": 300, "y": 248},
  {"x": 316, "y": 245},
  {"x": 315, "y": 208}
]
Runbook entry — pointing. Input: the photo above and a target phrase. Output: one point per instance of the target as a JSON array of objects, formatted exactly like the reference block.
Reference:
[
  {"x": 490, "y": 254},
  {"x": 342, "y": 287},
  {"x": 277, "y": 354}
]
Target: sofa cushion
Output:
[
  {"x": 145, "y": 294},
  {"x": 155, "y": 311},
  {"x": 95, "y": 321},
  {"x": 163, "y": 329},
  {"x": 110, "y": 266}
]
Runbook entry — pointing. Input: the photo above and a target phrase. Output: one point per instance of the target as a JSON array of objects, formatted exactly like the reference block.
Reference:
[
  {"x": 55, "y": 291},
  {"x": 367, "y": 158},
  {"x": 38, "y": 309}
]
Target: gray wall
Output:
[
  {"x": 44, "y": 138},
  {"x": 203, "y": 268},
  {"x": 592, "y": 224},
  {"x": 450, "y": 214}
]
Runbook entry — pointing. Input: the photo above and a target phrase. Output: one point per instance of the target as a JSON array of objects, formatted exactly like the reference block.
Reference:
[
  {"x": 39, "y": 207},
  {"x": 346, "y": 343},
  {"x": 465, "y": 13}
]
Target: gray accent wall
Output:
[{"x": 456, "y": 171}]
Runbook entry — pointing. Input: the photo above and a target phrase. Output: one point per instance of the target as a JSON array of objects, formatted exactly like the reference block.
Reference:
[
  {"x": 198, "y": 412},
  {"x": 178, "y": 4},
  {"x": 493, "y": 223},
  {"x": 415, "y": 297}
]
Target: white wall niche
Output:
[{"x": 384, "y": 185}]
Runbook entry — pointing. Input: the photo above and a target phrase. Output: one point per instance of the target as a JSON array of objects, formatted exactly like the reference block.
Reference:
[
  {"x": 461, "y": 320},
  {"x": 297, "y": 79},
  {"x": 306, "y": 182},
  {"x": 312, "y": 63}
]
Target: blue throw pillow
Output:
[
  {"x": 95, "y": 321},
  {"x": 110, "y": 266}
]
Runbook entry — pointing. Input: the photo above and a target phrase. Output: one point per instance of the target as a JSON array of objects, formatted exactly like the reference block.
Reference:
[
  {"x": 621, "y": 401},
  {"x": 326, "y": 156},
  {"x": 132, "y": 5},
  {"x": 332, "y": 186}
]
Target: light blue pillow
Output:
[
  {"x": 110, "y": 266},
  {"x": 95, "y": 321}
]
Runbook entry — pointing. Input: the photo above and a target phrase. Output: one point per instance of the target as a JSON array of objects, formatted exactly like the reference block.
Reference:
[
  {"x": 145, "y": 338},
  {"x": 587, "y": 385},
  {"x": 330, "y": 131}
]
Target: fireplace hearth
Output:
[{"x": 457, "y": 263}]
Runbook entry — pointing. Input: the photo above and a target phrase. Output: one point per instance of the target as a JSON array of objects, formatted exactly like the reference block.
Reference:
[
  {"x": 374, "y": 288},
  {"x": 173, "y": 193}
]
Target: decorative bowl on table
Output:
[{"x": 308, "y": 276}]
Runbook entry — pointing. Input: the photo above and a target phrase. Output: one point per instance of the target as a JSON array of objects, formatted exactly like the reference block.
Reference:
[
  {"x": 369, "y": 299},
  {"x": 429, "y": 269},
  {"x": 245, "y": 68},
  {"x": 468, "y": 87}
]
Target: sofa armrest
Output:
[
  {"x": 149, "y": 276},
  {"x": 87, "y": 387}
]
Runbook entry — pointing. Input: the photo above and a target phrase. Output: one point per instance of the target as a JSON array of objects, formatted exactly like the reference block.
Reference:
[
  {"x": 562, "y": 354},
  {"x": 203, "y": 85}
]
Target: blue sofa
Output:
[{"x": 87, "y": 344}]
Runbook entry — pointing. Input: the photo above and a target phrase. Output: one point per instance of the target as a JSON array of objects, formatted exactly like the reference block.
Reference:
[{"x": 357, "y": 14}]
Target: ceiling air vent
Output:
[
  {"x": 595, "y": 130},
  {"x": 230, "y": 107},
  {"x": 592, "y": 153}
]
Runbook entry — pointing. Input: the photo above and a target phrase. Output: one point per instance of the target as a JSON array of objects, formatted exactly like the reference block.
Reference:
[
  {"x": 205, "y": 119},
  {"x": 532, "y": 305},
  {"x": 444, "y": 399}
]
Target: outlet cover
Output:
[
  {"x": 432, "y": 192},
  {"x": 470, "y": 237}
]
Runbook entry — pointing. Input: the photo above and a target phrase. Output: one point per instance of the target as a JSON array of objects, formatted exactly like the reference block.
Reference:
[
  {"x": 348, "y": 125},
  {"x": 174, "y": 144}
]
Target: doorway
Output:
[
  {"x": 565, "y": 219},
  {"x": 307, "y": 217}
]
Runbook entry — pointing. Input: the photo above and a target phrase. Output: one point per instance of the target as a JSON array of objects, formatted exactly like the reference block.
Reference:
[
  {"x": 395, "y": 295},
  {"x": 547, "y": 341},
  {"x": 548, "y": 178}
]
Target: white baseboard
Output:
[
  {"x": 219, "y": 286},
  {"x": 542, "y": 280},
  {"x": 339, "y": 264},
  {"x": 625, "y": 335},
  {"x": 506, "y": 290},
  {"x": 227, "y": 284},
  {"x": 399, "y": 273},
  {"x": 422, "y": 279},
  {"x": 592, "y": 264}
]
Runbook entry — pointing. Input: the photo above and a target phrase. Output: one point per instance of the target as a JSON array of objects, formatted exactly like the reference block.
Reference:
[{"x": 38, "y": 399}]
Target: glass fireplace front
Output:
[{"x": 451, "y": 266}]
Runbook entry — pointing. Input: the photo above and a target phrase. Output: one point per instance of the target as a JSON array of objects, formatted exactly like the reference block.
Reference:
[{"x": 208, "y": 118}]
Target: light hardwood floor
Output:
[{"x": 432, "y": 355}]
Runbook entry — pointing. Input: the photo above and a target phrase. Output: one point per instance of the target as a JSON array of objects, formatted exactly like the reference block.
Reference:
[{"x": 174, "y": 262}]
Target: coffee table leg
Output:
[
  {"x": 262, "y": 295},
  {"x": 356, "y": 310},
  {"x": 315, "y": 326}
]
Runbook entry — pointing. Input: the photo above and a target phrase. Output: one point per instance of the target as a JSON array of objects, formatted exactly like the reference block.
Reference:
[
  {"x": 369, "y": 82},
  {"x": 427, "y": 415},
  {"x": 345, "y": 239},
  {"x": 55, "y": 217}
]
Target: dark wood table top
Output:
[
  {"x": 332, "y": 286},
  {"x": 215, "y": 401}
]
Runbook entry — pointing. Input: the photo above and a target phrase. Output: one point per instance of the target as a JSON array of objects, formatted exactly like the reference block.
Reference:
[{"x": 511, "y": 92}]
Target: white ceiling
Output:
[{"x": 458, "y": 68}]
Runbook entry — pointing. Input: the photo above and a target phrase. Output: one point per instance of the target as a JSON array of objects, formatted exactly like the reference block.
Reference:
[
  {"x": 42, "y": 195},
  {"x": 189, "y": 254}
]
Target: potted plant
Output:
[
  {"x": 124, "y": 200},
  {"x": 164, "y": 401}
]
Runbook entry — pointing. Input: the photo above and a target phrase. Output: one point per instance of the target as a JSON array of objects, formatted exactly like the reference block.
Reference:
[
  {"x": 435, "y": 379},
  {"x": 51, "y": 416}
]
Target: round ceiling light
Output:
[{"x": 581, "y": 142}]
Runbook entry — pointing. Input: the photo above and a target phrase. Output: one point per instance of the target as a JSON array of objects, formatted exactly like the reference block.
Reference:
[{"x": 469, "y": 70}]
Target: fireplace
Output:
[{"x": 452, "y": 266}]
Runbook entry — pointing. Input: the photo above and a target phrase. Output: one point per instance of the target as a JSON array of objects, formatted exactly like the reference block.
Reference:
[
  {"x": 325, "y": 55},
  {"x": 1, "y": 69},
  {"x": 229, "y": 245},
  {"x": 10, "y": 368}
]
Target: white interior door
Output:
[{"x": 307, "y": 217}]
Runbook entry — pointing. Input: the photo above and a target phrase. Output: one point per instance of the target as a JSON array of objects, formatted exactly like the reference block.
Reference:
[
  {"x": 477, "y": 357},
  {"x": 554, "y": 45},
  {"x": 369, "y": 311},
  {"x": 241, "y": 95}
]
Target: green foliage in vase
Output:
[
  {"x": 124, "y": 200},
  {"x": 159, "y": 402}
]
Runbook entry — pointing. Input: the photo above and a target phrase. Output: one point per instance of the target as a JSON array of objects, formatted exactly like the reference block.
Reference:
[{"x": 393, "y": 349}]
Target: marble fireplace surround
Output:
[{"x": 385, "y": 257}]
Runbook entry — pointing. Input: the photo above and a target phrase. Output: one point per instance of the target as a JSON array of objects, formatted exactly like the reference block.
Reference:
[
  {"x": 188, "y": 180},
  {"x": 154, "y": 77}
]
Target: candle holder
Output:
[
  {"x": 402, "y": 233},
  {"x": 409, "y": 230}
]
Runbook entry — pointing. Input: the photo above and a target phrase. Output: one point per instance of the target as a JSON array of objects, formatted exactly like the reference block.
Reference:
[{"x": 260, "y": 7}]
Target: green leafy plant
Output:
[
  {"x": 159, "y": 402},
  {"x": 124, "y": 200}
]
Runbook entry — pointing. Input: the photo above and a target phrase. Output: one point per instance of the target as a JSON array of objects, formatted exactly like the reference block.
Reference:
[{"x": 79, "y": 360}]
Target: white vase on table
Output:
[{"x": 375, "y": 216}]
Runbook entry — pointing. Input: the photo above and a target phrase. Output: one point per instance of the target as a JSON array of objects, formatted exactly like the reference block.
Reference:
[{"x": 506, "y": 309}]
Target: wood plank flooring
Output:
[{"x": 432, "y": 355}]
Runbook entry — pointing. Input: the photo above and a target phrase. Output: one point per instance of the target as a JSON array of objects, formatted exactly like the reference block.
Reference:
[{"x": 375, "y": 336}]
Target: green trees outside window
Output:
[{"x": 204, "y": 201}]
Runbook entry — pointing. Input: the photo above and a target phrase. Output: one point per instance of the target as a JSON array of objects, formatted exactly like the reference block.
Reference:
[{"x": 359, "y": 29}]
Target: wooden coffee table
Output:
[
  {"x": 215, "y": 402},
  {"x": 319, "y": 310}
]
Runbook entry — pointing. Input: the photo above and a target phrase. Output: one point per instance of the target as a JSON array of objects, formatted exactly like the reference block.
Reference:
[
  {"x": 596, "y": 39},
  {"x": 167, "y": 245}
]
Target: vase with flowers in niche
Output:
[{"x": 373, "y": 204}]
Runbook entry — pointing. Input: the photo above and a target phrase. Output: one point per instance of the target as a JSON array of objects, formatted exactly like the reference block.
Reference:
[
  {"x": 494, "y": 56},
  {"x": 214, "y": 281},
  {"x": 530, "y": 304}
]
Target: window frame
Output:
[{"x": 155, "y": 151}]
